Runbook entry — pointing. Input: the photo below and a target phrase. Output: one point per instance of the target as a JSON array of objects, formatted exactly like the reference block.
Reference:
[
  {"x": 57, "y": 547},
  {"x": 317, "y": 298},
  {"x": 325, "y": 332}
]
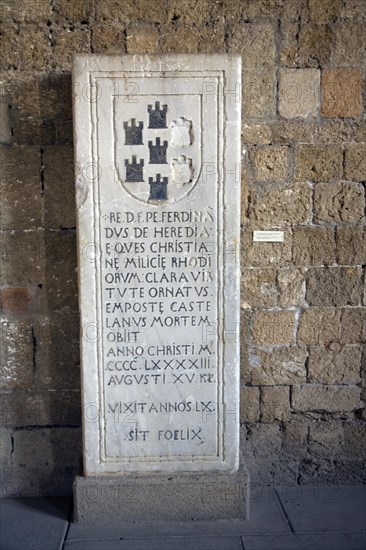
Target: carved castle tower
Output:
[
  {"x": 134, "y": 171},
  {"x": 158, "y": 152},
  {"x": 157, "y": 116},
  {"x": 133, "y": 133},
  {"x": 158, "y": 188}
]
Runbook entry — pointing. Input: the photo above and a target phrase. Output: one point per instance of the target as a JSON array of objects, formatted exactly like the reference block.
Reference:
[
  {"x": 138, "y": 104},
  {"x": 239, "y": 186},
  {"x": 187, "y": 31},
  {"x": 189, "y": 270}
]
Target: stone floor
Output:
[{"x": 293, "y": 517}]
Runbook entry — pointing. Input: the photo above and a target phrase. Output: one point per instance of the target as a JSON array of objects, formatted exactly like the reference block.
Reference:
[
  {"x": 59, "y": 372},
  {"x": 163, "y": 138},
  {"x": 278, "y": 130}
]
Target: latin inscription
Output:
[{"x": 159, "y": 285}]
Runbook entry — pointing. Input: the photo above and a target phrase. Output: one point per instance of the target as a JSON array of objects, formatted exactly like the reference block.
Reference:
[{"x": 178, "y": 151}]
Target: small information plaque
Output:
[
  {"x": 268, "y": 236},
  {"x": 158, "y": 195}
]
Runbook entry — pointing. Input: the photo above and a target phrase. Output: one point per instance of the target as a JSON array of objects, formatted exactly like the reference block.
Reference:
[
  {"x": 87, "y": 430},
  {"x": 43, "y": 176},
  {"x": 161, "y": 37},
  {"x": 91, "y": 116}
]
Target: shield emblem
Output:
[{"x": 158, "y": 145}]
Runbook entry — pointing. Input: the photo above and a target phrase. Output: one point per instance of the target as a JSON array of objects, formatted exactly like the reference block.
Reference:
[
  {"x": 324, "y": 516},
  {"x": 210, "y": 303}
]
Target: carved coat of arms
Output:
[{"x": 157, "y": 146}]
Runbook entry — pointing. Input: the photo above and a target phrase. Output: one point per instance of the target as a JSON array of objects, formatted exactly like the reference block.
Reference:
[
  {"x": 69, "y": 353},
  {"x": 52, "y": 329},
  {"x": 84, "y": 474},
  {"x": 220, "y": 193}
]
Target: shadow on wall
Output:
[{"x": 40, "y": 377}]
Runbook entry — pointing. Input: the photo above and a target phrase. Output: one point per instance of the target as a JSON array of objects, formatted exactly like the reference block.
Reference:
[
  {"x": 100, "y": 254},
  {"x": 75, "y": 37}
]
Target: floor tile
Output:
[
  {"x": 272, "y": 542},
  {"x": 324, "y": 509},
  {"x": 176, "y": 543},
  {"x": 33, "y": 523},
  {"x": 315, "y": 541},
  {"x": 333, "y": 541}
]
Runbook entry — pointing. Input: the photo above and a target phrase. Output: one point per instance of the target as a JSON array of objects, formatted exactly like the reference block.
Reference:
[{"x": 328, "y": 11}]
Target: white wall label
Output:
[{"x": 268, "y": 236}]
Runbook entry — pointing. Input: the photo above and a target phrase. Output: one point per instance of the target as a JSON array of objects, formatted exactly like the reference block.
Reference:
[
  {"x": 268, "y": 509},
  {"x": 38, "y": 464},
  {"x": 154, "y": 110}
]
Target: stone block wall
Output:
[{"x": 304, "y": 170}]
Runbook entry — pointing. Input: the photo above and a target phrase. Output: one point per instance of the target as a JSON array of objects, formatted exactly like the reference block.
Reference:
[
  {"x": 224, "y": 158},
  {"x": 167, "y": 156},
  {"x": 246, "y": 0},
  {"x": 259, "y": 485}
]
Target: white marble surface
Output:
[{"x": 158, "y": 195}]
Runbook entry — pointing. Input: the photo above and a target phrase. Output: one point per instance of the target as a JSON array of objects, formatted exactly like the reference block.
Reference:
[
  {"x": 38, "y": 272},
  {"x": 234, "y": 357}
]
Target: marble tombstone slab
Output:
[{"x": 157, "y": 142}]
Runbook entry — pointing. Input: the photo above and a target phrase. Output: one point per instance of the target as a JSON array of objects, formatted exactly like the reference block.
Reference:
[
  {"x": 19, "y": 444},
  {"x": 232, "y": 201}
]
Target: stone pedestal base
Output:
[{"x": 162, "y": 497}]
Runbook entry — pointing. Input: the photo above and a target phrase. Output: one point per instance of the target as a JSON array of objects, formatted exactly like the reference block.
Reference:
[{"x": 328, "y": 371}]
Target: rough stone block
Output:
[
  {"x": 260, "y": 9},
  {"x": 288, "y": 44},
  {"x": 14, "y": 299},
  {"x": 339, "y": 202},
  {"x": 21, "y": 205},
  {"x": 354, "y": 440},
  {"x": 192, "y": 11},
  {"x": 249, "y": 404},
  {"x": 264, "y": 443},
  {"x": 273, "y": 327},
  {"x": 291, "y": 131},
  {"x": 291, "y": 283},
  {"x": 20, "y": 187},
  {"x": 351, "y": 245},
  {"x": 329, "y": 399},
  {"x": 59, "y": 187},
  {"x": 16, "y": 350},
  {"x": 66, "y": 43},
  {"x": 319, "y": 326},
  {"x": 128, "y": 10},
  {"x": 33, "y": 95},
  {"x": 244, "y": 193},
  {"x": 265, "y": 254},
  {"x": 299, "y": 93},
  {"x": 279, "y": 366},
  {"x": 56, "y": 360},
  {"x": 245, "y": 321},
  {"x": 210, "y": 39},
  {"x": 26, "y": 11},
  {"x": 258, "y": 288},
  {"x": 158, "y": 497},
  {"x": 23, "y": 258},
  {"x": 232, "y": 11},
  {"x": 63, "y": 133},
  {"x": 5, "y": 124},
  {"x": 44, "y": 461},
  {"x": 355, "y": 162},
  {"x": 63, "y": 84},
  {"x": 284, "y": 471},
  {"x": 108, "y": 38},
  {"x": 30, "y": 300},
  {"x": 353, "y": 9},
  {"x": 341, "y": 89},
  {"x": 318, "y": 162},
  {"x": 8, "y": 35},
  {"x": 271, "y": 163},
  {"x": 295, "y": 435},
  {"x": 40, "y": 408},
  {"x": 74, "y": 11},
  {"x": 16, "y": 52},
  {"x": 358, "y": 131},
  {"x": 20, "y": 164},
  {"x": 275, "y": 403},
  {"x": 326, "y": 439},
  {"x": 316, "y": 43},
  {"x": 142, "y": 38},
  {"x": 325, "y": 11},
  {"x": 334, "y": 286},
  {"x": 259, "y": 93},
  {"x": 277, "y": 204},
  {"x": 175, "y": 40},
  {"x": 61, "y": 278},
  {"x": 353, "y": 325},
  {"x": 314, "y": 246},
  {"x": 6, "y": 445},
  {"x": 332, "y": 131},
  {"x": 256, "y": 134},
  {"x": 350, "y": 44},
  {"x": 255, "y": 42},
  {"x": 335, "y": 364},
  {"x": 34, "y": 132},
  {"x": 294, "y": 11}
]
